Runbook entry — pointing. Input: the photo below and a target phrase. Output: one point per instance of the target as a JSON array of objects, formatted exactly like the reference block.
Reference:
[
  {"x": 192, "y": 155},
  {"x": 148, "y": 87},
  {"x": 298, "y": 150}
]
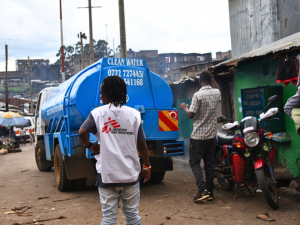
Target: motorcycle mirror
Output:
[
  {"x": 271, "y": 100},
  {"x": 221, "y": 119}
]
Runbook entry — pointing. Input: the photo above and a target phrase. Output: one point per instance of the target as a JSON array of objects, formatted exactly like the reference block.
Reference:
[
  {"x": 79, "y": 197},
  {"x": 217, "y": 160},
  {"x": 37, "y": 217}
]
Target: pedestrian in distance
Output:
[
  {"x": 119, "y": 131},
  {"x": 22, "y": 135},
  {"x": 31, "y": 133},
  {"x": 203, "y": 110}
]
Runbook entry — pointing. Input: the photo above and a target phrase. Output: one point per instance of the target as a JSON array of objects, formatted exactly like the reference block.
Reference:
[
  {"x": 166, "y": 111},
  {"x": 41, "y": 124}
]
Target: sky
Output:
[{"x": 32, "y": 27}]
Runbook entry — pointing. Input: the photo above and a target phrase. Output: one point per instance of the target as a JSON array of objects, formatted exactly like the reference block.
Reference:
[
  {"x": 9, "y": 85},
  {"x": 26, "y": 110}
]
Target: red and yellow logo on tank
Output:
[{"x": 168, "y": 120}]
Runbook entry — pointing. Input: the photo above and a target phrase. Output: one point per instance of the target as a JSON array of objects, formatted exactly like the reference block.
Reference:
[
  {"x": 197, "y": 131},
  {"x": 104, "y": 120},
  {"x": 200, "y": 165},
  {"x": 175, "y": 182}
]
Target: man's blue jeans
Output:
[{"x": 130, "y": 196}]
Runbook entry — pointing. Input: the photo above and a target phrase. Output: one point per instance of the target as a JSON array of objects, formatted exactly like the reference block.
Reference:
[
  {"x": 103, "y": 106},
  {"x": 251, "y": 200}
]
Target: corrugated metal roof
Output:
[{"x": 292, "y": 41}]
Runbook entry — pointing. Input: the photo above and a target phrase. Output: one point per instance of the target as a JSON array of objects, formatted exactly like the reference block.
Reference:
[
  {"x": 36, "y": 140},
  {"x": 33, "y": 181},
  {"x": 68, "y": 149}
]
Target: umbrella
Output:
[{"x": 12, "y": 119}]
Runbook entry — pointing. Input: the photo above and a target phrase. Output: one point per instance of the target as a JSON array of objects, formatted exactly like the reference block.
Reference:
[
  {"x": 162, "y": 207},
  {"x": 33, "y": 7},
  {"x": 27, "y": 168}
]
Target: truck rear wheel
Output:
[
  {"x": 40, "y": 157},
  {"x": 157, "y": 177},
  {"x": 62, "y": 182}
]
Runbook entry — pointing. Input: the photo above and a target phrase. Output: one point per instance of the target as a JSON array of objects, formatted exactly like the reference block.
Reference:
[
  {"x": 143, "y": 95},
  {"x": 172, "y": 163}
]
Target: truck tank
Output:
[{"x": 146, "y": 91}]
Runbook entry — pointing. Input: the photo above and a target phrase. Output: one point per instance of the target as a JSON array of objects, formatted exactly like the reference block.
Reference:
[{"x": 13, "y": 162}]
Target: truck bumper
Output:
[{"x": 160, "y": 163}]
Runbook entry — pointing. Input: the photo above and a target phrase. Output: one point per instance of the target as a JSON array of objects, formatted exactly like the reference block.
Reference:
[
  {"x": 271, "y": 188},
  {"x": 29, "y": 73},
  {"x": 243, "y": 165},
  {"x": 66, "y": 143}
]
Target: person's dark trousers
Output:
[
  {"x": 203, "y": 149},
  {"x": 23, "y": 140}
]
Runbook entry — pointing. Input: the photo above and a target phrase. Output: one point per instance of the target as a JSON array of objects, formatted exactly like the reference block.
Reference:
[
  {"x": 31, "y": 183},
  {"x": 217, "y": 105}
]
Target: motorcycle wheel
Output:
[
  {"x": 267, "y": 186},
  {"x": 225, "y": 184}
]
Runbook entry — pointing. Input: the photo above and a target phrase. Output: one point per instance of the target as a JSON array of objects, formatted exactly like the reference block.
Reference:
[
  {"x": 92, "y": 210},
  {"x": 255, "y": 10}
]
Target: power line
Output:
[{"x": 34, "y": 36}]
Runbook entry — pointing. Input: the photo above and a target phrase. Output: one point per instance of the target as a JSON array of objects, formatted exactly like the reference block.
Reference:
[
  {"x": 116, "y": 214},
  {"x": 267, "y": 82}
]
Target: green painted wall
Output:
[{"x": 252, "y": 75}]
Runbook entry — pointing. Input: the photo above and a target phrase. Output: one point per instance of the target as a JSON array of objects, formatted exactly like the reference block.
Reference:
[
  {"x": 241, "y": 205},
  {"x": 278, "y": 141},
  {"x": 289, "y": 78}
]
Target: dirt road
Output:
[{"x": 21, "y": 184}]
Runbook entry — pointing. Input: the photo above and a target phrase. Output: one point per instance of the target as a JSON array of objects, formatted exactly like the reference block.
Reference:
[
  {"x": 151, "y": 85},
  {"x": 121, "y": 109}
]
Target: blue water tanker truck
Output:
[{"x": 61, "y": 111}]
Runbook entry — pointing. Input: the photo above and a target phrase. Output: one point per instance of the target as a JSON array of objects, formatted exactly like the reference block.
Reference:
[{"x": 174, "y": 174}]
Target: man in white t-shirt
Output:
[{"x": 119, "y": 131}]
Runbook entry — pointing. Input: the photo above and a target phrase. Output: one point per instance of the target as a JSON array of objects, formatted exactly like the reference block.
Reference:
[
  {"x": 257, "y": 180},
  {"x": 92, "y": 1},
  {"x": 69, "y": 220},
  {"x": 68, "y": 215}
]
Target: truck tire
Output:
[
  {"x": 157, "y": 177},
  {"x": 40, "y": 157},
  {"x": 62, "y": 182},
  {"x": 79, "y": 184}
]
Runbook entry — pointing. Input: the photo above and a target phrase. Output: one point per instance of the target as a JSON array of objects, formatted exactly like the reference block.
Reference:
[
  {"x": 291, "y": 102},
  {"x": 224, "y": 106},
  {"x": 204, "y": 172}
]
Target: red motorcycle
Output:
[{"x": 244, "y": 158}]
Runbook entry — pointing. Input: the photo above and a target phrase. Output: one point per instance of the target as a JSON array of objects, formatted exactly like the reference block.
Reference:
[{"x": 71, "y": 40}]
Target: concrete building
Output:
[
  {"x": 256, "y": 23},
  {"x": 164, "y": 64},
  {"x": 11, "y": 75},
  {"x": 223, "y": 55},
  {"x": 75, "y": 64},
  {"x": 40, "y": 69},
  {"x": 21, "y": 64},
  {"x": 195, "y": 69}
]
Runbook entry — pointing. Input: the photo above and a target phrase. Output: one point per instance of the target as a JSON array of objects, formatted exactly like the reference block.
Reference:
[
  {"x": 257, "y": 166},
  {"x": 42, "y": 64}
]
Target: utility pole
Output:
[
  {"x": 91, "y": 34},
  {"x": 114, "y": 46},
  {"x": 122, "y": 29},
  {"x": 6, "y": 80},
  {"x": 31, "y": 103},
  {"x": 91, "y": 30},
  {"x": 82, "y": 35},
  {"x": 106, "y": 42},
  {"x": 62, "y": 52}
]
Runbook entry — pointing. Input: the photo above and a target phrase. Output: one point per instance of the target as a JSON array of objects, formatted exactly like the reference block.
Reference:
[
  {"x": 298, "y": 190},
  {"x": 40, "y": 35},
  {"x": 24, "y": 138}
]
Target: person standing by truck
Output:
[
  {"x": 22, "y": 136},
  {"x": 204, "y": 111},
  {"x": 119, "y": 130}
]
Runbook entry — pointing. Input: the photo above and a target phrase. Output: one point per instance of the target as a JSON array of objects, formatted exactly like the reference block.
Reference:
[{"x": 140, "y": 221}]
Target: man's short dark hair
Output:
[
  {"x": 205, "y": 76},
  {"x": 115, "y": 90}
]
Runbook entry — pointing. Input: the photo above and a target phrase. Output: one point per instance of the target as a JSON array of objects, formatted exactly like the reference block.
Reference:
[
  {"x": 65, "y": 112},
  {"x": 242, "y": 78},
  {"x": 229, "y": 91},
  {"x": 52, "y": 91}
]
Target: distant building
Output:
[
  {"x": 75, "y": 64},
  {"x": 21, "y": 64},
  {"x": 40, "y": 69},
  {"x": 164, "y": 64},
  {"x": 195, "y": 69},
  {"x": 11, "y": 75},
  {"x": 223, "y": 55}
]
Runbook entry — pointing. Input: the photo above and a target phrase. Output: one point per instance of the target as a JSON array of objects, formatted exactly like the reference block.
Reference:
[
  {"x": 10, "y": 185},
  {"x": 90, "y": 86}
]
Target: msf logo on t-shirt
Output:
[{"x": 108, "y": 126}]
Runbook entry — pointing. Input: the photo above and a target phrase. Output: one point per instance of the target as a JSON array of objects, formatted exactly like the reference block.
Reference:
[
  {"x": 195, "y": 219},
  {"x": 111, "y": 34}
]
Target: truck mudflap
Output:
[
  {"x": 79, "y": 167},
  {"x": 160, "y": 163}
]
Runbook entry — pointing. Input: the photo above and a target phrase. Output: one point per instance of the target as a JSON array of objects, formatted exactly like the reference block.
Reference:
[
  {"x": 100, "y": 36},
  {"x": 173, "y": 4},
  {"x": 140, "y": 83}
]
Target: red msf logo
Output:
[{"x": 108, "y": 126}]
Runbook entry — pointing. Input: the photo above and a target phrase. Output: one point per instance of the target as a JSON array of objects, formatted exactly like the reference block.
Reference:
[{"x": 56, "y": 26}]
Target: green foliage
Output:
[
  {"x": 15, "y": 89},
  {"x": 99, "y": 46}
]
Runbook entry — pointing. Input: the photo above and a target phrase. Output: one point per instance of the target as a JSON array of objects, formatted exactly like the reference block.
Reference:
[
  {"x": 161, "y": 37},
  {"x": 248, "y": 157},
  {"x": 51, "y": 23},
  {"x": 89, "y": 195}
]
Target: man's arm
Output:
[
  {"x": 214, "y": 83},
  {"x": 85, "y": 138},
  {"x": 89, "y": 126},
  {"x": 292, "y": 102},
  {"x": 142, "y": 147},
  {"x": 185, "y": 108}
]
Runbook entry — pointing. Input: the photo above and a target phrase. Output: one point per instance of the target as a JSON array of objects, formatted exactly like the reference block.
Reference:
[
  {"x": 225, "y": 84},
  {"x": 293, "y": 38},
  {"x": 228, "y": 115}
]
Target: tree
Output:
[
  {"x": 68, "y": 51},
  {"x": 118, "y": 48}
]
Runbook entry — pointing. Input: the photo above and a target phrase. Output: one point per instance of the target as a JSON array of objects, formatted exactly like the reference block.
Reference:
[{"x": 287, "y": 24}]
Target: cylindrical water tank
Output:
[{"x": 82, "y": 91}]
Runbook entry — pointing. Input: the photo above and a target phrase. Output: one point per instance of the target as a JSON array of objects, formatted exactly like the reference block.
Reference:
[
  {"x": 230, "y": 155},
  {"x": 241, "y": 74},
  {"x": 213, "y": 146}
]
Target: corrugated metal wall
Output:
[{"x": 255, "y": 23}]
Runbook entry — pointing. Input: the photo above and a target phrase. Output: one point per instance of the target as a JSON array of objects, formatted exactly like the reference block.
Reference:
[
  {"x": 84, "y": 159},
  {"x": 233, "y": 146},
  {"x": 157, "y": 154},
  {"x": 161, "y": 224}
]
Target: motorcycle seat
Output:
[{"x": 224, "y": 137}]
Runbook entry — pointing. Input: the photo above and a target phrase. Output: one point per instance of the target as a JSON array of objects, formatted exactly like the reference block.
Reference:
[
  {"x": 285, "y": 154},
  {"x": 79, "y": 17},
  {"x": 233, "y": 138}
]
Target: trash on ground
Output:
[
  {"x": 65, "y": 199},
  {"x": 52, "y": 209},
  {"x": 40, "y": 220},
  {"x": 258, "y": 191},
  {"x": 226, "y": 207},
  {"x": 20, "y": 211},
  {"x": 23, "y": 203},
  {"x": 10, "y": 212},
  {"x": 168, "y": 218},
  {"x": 266, "y": 217},
  {"x": 39, "y": 198},
  {"x": 24, "y": 170}
]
